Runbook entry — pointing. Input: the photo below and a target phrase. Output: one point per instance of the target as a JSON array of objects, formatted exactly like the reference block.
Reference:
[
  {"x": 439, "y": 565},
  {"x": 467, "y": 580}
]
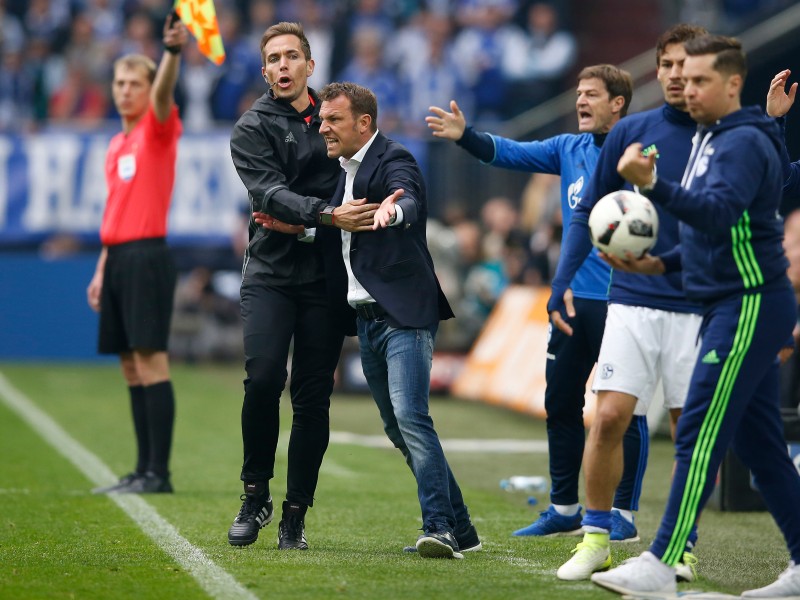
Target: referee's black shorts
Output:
[{"x": 137, "y": 295}]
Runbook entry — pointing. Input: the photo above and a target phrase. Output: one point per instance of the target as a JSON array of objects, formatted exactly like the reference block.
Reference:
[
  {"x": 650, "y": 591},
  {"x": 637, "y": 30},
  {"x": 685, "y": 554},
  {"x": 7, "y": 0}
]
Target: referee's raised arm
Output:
[{"x": 161, "y": 95}]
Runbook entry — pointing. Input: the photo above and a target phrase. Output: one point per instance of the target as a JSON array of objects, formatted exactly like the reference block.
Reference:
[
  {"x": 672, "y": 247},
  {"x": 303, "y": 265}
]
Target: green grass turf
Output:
[{"x": 58, "y": 540}]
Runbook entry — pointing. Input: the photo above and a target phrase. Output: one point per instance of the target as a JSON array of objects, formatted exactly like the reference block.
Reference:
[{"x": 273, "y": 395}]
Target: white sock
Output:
[
  {"x": 567, "y": 510},
  {"x": 627, "y": 514},
  {"x": 593, "y": 529}
]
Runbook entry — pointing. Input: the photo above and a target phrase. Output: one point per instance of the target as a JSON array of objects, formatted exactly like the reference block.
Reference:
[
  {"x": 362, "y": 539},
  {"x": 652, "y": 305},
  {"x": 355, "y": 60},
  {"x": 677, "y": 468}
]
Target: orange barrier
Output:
[{"x": 506, "y": 365}]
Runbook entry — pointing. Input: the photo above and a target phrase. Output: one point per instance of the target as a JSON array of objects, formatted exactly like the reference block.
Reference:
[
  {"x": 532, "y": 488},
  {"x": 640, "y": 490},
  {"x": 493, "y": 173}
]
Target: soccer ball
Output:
[{"x": 623, "y": 221}]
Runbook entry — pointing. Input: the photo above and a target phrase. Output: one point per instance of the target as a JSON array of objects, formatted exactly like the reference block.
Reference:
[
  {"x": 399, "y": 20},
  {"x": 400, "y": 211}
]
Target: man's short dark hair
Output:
[
  {"x": 618, "y": 82},
  {"x": 730, "y": 58},
  {"x": 285, "y": 28},
  {"x": 677, "y": 34},
  {"x": 362, "y": 100}
]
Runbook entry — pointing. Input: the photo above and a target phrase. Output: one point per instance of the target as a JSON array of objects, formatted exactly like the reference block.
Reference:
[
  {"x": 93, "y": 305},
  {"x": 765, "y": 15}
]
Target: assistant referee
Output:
[{"x": 134, "y": 282}]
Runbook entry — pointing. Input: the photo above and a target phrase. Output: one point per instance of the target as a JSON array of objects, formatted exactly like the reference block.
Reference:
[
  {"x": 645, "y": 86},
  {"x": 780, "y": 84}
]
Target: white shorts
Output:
[{"x": 642, "y": 345}]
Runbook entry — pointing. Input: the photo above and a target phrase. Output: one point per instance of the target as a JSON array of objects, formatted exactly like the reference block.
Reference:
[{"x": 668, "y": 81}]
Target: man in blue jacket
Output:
[
  {"x": 732, "y": 262},
  {"x": 603, "y": 97},
  {"x": 651, "y": 327}
]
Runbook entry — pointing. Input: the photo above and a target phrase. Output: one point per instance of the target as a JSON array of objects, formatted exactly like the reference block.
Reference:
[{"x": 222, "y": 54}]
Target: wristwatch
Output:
[{"x": 326, "y": 215}]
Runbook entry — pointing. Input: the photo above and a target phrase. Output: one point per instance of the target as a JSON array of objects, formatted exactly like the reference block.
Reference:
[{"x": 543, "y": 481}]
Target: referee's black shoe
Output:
[
  {"x": 256, "y": 512},
  {"x": 123, "y": 482},
  {"x": 149, "y": 483},
  {"x": 291, "y": 529}
]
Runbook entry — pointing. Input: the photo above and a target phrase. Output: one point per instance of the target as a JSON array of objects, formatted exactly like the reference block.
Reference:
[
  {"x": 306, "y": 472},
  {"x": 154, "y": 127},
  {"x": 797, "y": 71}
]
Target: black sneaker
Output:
[
  {"x": 291, "y": 532},
  {"x": 438, "y": 545},
  {"x": 256, "y": 512},
  {"x": 467, "y": 538},
  {"x": 123, "y": 482},
  {"x": 149, "y": 483}
]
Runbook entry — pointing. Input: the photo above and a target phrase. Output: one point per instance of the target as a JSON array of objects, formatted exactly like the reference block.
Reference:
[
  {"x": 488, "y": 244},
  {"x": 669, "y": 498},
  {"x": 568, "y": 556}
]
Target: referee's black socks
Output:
[
  {"x": 160, "y": 402},
  {"x": 139, "y": 412}
]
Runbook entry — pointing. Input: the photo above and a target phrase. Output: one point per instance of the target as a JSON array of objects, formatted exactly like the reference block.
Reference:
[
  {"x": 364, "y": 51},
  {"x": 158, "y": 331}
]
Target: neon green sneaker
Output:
[
  {"x": 589, "y": 556},
  {"x": 686, "y": 570}
]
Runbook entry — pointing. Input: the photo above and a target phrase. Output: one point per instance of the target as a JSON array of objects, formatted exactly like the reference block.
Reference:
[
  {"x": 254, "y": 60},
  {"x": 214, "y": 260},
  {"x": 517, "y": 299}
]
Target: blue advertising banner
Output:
[{"x": 53, "y": 183}]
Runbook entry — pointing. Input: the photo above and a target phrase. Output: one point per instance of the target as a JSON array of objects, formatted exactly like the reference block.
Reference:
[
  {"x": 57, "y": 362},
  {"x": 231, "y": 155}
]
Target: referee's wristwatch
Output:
[{"x": 326, "y": 216}]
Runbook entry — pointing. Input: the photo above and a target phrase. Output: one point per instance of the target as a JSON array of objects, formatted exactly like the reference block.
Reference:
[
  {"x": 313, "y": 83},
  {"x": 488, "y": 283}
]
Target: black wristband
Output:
[{"x": 172, "y": 49}]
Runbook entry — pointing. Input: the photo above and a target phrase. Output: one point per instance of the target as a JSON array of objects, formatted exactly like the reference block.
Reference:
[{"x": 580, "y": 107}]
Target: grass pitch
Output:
[{"x": 57, "y": 540}]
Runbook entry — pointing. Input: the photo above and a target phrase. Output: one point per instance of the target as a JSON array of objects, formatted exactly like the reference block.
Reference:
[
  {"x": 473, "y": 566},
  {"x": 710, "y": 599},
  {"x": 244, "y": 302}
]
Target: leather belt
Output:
[{"x": 370, "y": 311}]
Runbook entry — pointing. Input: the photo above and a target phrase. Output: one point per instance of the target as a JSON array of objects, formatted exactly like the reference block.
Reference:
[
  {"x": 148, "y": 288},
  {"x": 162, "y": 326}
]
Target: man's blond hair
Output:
[{"x": 135, "y": 61}]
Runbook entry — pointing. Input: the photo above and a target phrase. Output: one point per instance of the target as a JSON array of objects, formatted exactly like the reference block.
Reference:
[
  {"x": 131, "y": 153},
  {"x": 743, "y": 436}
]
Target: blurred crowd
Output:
[{"x": 497, "y": 56}]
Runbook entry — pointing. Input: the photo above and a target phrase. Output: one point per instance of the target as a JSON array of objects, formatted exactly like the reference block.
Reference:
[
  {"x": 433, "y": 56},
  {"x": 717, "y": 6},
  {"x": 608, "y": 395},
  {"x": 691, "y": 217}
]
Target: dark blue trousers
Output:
[
  {"x": 569, "y": 363},
  {"x": 733, "y": 401}
]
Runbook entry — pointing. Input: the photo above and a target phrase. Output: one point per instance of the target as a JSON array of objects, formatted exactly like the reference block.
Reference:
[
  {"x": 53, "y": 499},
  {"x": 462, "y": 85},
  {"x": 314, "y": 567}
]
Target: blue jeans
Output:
[{"x": 397, "y": 365}]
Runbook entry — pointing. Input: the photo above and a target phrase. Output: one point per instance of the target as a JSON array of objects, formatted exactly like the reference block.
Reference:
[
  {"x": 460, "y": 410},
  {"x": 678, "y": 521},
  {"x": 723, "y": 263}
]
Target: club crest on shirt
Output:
[
  {"x": 574, "y": 192},
  {"x": 126, "y": 166},
  {"x": 606, "y": 371},
  {"x": 702, "y": 163}
]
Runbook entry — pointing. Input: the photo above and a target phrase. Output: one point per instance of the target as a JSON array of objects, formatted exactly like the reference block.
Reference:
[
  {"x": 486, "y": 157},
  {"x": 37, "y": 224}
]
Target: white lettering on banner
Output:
[
  {"x": 5, "y": 152},
  {"x": 87, "y": 214},
  {"x": 52, "y": 172},
  {"x": 63, "y": 186},
  {"x": 208, "y": 193}
]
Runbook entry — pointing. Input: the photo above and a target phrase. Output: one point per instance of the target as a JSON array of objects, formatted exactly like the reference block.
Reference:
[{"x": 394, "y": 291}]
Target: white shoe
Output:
[
  {"x": 644, "y": 573},
  {"x": 591, "y": 555},
  {"x": 786, "y": 587},
  {"x": 686, "y": 570}
]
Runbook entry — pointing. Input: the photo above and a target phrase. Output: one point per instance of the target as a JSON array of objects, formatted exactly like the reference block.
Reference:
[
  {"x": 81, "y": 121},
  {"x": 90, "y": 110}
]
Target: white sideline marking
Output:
[
  {"x": 453, "y": 445},
  {"x": 214, "y": 580},
  {"x": 690, "y": 595}
]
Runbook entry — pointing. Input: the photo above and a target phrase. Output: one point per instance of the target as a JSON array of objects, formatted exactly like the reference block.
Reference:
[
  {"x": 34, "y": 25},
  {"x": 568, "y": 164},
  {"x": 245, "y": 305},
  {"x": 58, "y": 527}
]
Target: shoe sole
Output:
[
  {"x": 109, "y": 489},
  {"x": 574, "y": 532},
  {"x": 633, "y": 594},
  {"x": 248, "y": 541},
  {"x": 432, "y": 548},
  {"x": 626, "y": 540},
  {"x": 476, "y": 548},
  {"x": 128, "y": 490}
]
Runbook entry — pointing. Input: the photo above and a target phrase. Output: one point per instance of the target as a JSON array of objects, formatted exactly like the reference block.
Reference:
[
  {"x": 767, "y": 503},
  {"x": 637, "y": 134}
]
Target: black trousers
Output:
[{"x": 273, "y": 316}]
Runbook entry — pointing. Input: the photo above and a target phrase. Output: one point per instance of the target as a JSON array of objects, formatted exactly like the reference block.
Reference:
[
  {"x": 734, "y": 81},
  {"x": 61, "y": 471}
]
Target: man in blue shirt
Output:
[
  {"x": 603, "y": 97},
  {"x": 651, "y": 328},
  {"x": 732, "y": 261}
]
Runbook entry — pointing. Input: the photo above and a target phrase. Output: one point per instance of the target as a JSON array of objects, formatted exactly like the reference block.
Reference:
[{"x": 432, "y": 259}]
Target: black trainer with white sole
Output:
[
  {"x": 123, "y": 482},
  {"x": 438, "y": 545},
  {"x": 256, "y": 512},
  {"x": 149, "y": 483},
  {"x": 466, "y": 537}
]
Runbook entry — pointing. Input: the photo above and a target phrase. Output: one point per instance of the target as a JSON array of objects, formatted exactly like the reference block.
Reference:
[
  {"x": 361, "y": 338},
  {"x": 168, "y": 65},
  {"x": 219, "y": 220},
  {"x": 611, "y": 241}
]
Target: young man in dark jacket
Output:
[
  {"x": 281, "y": 159},
  {"x": 732, "y": 262}
]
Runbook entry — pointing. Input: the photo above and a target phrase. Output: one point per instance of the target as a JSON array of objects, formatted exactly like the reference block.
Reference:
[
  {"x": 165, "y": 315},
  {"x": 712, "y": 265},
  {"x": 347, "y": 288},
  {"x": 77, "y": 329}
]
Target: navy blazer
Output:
[{"x": 393, "y": 264}]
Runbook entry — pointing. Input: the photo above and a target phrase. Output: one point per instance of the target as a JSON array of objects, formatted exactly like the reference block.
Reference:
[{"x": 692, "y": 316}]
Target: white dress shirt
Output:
[{"x": 356, "y": 293}]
